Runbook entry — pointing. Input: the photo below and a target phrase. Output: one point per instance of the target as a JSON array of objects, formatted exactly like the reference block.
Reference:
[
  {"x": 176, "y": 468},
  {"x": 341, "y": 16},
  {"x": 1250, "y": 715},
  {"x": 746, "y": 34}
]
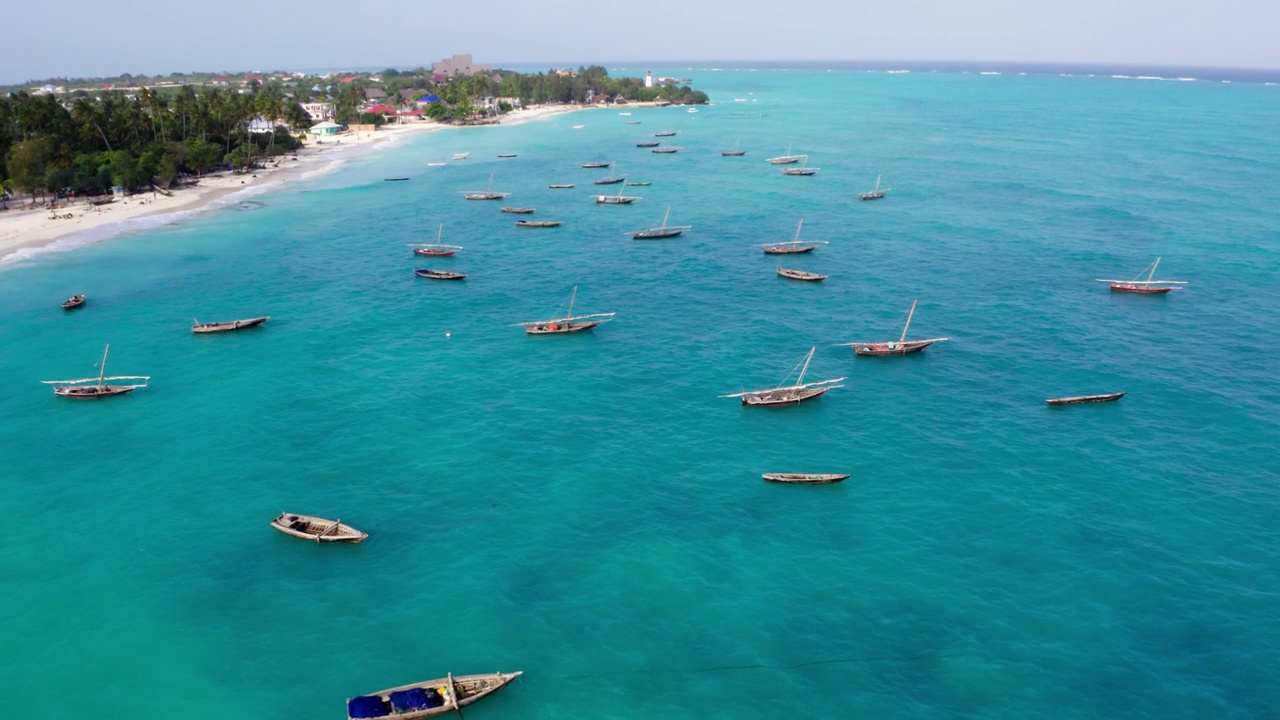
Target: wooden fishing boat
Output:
[
  {"x": 633, "y": 122},
  {"x": 612, "y": 179},
  {"x": 539, "y": 223},
  {"x": 795, "y": 246},
  {"x": 735, "y": 152},
  {"x": 618, "y": 199},
  {"x": 646, "y": 183},
  {"x": 230, "y": 325},
  {"x": 803, "y": 170},
  {"x": 100, "y": 387},
  {"x": 73, "y": 302},
  {"x": 665, "y": 150},
  {"x": 429, "y": 698},
  {"x": 437, "y": 248},
  {"x": 787, "y": 159},
  {"x": 662, "y": 231},
  {"x": 488, "y": 193},
  {"x": 561, "y": 186},
  {"x": 800, "y": 275},
  {"x": 1145, "y": 287},
  {"x": 789, "y": 394},
  {"x": 874, "y": 193},
  {"x": 568, "y": 323},
  {"x": 519, "y": 210},
  {"x": 594, "y": 164},
  {"x": 395, "y": 179},
  {"x": 666, "y": 133},
  {"x": 648, "y": 143},
  {"x": 511, "y": 155},
  {"x": 902, "y": 346},
  {"x": 1081, "y": 399},
  {"x": 309, "y": 527},
  {"x": 439, "y": 274},
  {"x": 461, "y": 156},
  {"x": 805, "y": 478}
]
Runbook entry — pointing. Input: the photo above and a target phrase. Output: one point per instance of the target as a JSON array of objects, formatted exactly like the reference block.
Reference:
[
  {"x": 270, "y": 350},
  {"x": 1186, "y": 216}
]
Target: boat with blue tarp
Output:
[{"x": 430, "y": 698}]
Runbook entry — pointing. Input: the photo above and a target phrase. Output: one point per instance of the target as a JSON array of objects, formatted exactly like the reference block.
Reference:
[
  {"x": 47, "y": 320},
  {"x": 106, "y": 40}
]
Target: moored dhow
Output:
[
  {"x": 568, "y": 323},
  {"x": 735, "y": 152},
  {"x": 789, "y": 394},
  {"x": 787, "y": 159},
  {"x": 874, "y": 193},
  {"x": 662, "y": 231},
  {"x": 611, "y": 179},
  {"x": 1145, "y": 287},
  {"x": 666, "y": 133},
  {"x": 429, "y": 698},
  {"x": 437, "y": 248},
  {"x": 539, "y": 223},
  {"x": 228, "y": 326},
  {"x": 488, "y": 193},
  {"x": 321, "y": 530},
  {"x": 594, "y": 164},
  {"x": 73, "y": 302},
  {"x": 902, "y": 346},
  {"x": 439, "y": 274},
  {"x": 618, "y": 199},
  {"x": 1082, "y": 399},
  {"x": 805, "y": 478},
  {"x": 101, "y": 386},
  {"x": 795, "y": 246},
  {"x": 519, "y": 210},
  {"x": 803, "y": 170}
]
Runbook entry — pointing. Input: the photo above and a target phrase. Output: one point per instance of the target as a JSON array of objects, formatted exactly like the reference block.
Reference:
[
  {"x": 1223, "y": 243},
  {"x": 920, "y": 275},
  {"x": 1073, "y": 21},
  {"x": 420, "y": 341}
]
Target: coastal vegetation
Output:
[{"x": 92, "y": 144}]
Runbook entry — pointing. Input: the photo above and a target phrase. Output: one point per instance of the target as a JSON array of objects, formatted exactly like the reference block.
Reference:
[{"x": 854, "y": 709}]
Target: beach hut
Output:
[{"x": 325, "y": 128}]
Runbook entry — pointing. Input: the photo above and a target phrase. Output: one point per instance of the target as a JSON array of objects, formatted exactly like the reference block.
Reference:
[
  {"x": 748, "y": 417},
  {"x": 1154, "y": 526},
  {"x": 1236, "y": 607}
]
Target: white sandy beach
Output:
[{"x": 73, "y": 223}]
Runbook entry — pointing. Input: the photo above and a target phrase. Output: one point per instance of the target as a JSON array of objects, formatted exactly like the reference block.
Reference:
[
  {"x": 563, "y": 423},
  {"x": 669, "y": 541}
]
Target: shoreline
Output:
[{"x": 26, "y": 233}]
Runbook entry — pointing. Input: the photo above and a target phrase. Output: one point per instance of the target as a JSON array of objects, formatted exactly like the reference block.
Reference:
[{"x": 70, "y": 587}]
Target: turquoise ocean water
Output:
[{"x": 584, "y": 508}]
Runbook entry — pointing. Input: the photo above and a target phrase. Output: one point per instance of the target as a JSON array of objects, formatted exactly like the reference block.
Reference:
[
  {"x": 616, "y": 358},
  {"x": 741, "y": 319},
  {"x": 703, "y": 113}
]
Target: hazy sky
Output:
[{"x": 137, "y": 36}]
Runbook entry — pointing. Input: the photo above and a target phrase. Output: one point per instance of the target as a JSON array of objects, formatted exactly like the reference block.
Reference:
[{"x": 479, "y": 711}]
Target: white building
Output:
[{"x": 648, "y": 79}]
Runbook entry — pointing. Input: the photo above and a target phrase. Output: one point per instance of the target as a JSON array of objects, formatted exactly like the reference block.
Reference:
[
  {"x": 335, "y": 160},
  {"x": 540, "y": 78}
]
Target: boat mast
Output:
[
  {"x": 904, "y": 327},
  {"x": 803, "y": 370},
  {"x": 798, "y": 230},
  {"x": 569, "y": 318},
  {"x": 1152, "y": 274},
  {"x": 103, "y": 370},
  {"x": 877, "y": 187},
  {"x": 440, "y": 233},
  {"x": 664, "y": 218}
]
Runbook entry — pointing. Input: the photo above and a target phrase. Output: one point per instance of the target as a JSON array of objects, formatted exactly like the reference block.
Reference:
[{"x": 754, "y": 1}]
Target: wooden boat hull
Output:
[
  {"x": 665, "y": 151},
  {"x": 608, "y": 181},
  {"x": 432, "y": 701},
  {"x": 777, "y": 399},
  {"x": 93, "y": 392},
  {"x": 485, "y": 196},
  {"x": 891, "y": 348},
  {"x": 789, "y": 250},
  {"x": 594, "y": 165},
  {"x": 784, "y": 160},
  {"x": 433, "y": 253},
  {"x": 518, "y": 210},
  {"x": 871, "y": 195},
  {"x": 73, "y": 302},
  {"x": 539, "y": 223},
  {"x": 558, "y": 328},
  {"x": 1082, "y": 399},
  {"x": 561, "y": 186},
  {"x": 439, "y": 275},
  {"x": 1141, "y": 289},
  {"x": 317, "y": 529},
  {"x": 648, "y": 144},
  {"x": 229, "y": 326},
  {"x": 805, "y": 478},
  {"x": 664, "y": 134},
  {"x": 399, "y": 179},
  {"x": 800, "y": 275},
  {"x": 731, "y": 153},
  {"x": 614, "y": 200},
  {"x": 656, "y": 234},
  {"x": 803, "y": 172}
]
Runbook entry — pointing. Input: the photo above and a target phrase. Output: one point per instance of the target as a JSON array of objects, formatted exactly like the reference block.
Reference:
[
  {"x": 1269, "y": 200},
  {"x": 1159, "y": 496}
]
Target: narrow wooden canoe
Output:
[
  {"x": 1081, "y": 399},
  {"x": 429, "y": 698},
  {"x": 800, "y": 275},
  {"x": 309, "y": 527},
  {"x": 805, "y": 478},
  {"x": 519, "y": 210},
  {"x": 73, "y": 302},
  {"x": 561, "y": 186},
  {"x": 439, "y": 274},
  {"x": 215, "y": 327},
  {"x": 539, "y": 223}
]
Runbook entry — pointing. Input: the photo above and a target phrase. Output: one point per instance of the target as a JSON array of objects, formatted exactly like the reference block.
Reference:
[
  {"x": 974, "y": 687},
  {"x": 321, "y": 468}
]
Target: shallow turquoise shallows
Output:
[{"x": 586, "y": 509}]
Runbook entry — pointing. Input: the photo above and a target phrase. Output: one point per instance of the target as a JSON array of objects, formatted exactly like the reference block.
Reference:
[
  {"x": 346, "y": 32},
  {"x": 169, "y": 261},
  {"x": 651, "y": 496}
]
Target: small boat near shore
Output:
[
  {"x": 596, "y": 164},
  {"x": 228, "y": 326},
  {"x": 507, "y": 156},
  {"x": 662, "y": 231},
  {"x": 439, "y": 274},
  {"x": 569, "y": 323},
  {"x": 488, "y": 193},
  {"x": 1145, "y": 287},
  {"x": 428, "y": 698},
  {"x": 73, "y": 302},
  {"x": 665, "y": 150},
  {"x": 633, "y": 122},
  {"x": 612, "y": 178},
  {"x": 645, "y": 183},
  {"x": 666, "y": 133},
  {"x": 795, "y": 246},
  {"x": 803, "y": 170},
  {"x": 395, "y": 179},
  {"x": 519, "y": 210},
  {"x": 805, "y": 478},
  {"x": 560, "y": 186},
  {"x": 902, "y": 346},
  {"x": 800, "y": 275},
  {"x": 437, "y": 248},
  {"x": 321, "y": 530},
  {"x": 618, "y": 199},
  {"x": 461, "y": 155},
  {"x": 789, "y": 394},
  {"x": 648, "y": 144},
  {"x": 735, "y": 152},
  {"x": 100, "y": 387},
  {"x": 787, "y": 159},
  {"x": 874, "y": 193},
  {"x": 1082, "y": 399},
  {"x": 539, "y": 223}
]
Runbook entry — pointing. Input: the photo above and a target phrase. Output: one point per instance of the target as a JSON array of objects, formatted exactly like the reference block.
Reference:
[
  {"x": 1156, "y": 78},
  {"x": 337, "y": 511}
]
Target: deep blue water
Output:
[{"x": 584, "y": 508}]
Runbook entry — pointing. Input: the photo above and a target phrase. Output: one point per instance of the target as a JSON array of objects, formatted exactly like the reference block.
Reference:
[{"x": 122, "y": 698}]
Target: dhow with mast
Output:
[
  {"x": 786, "y": 394},
  {"x": 101, "y": 386},
  {"x": 568, "y": 323},
  {"x": 1150, "y": 286},
  {"x": 795, "y": 246},
  {"x": 902, "y": 346}
]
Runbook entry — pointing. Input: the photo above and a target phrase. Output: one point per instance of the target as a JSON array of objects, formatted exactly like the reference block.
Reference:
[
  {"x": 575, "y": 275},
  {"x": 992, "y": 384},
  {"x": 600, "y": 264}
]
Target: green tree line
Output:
[{"x": 137, "y": 141}]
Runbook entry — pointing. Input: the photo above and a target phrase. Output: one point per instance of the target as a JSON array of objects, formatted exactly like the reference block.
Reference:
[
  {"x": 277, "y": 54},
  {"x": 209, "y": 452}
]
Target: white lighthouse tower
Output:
[{"x": 648, "y": 79}]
